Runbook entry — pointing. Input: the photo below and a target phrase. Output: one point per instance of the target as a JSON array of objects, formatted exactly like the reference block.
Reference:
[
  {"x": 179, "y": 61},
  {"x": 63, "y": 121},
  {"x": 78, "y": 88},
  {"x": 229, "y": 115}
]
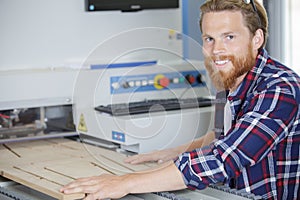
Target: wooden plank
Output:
[
  {"x": 8, "y": 158},
  {"x": 40, "y": 170},
  {"x": 76, "y": 168},
  {"x": 28, "y": 168},
  {"x": 47, "y": 165},
  {"x": 41, "y": 185},
  {"x": 105, "y": 154},
  {"x": 7, "y": 155}
]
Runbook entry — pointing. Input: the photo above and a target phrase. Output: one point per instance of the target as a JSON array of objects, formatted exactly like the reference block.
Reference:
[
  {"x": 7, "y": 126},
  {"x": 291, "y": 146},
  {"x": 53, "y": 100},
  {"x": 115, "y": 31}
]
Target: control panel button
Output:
[
  {"x": 199, "y": 78},
  {"x": 125, "y": 85},
  {"x": 138, "y": 83},
  {"x": 150, "y": 82},
  {"x": 164, "y": 82},
  {"x": 175, "y": 80},
  {"x": 131, "y": 83},
  {"x": 190, "y": 79},
  {"x": 115, "y": 85},
  {"x": 161, "y": 81},
  {"x": 181, "y": 79},
  {"x": 144, "y": 83}
]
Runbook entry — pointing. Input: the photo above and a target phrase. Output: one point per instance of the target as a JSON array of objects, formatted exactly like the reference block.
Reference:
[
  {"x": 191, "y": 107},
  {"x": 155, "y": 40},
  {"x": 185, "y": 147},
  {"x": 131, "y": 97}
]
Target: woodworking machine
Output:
[
  {"x": 119, "y": 86},
  {"x": 40, "y": 104}
]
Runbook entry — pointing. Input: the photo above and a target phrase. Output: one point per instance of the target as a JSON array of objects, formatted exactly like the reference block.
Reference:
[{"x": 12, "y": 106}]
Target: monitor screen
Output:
[{"x": 129, "y": 5}]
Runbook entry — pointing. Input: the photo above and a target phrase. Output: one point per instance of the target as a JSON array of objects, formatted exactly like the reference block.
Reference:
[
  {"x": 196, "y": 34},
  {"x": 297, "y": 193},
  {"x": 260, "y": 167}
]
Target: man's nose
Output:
[{"x": 219, "y": 47}]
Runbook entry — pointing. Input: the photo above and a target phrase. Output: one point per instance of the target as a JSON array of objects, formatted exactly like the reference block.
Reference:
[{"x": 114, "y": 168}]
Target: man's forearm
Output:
[
  {"x": 166, "y": 178},
  {"x": 197, "y": 143}
]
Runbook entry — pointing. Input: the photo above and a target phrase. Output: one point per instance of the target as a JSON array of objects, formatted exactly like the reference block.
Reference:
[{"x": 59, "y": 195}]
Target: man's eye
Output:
[
  {"x": 229, "y": 37},
  {"x": 208, "y": 39}
]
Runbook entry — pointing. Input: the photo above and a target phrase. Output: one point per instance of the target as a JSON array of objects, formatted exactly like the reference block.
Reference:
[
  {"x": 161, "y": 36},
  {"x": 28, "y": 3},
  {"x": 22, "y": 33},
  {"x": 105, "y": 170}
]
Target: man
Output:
[{"x": 259, "y": 151}]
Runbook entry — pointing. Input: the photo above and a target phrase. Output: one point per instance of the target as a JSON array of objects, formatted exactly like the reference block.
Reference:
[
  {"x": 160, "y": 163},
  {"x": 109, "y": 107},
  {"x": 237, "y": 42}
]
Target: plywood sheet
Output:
[{"x": 47, "y": 165}]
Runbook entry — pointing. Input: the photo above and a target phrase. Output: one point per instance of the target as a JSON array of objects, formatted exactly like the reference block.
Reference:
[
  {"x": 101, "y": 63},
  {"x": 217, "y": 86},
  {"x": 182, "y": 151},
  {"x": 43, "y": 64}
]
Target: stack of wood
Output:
[{"x": 47, "y": 165}]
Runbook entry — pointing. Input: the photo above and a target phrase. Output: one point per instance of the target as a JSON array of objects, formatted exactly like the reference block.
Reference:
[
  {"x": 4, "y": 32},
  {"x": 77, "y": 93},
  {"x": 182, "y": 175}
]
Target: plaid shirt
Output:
[{"x": 261, "y": 151}]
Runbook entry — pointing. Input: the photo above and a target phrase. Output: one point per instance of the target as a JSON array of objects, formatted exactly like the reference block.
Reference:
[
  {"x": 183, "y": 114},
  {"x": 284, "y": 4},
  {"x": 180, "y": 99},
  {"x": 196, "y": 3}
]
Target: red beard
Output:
[{"x": 226, "y": 80}]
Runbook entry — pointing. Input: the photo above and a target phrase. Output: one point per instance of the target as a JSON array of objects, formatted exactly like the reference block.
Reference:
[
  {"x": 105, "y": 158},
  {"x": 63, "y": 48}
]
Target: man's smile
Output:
[{"x": 220, "y": 64}]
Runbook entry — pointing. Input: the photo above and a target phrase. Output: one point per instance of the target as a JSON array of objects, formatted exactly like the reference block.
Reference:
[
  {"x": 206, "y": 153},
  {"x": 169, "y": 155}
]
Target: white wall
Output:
[{"x": 52, "y": 33}]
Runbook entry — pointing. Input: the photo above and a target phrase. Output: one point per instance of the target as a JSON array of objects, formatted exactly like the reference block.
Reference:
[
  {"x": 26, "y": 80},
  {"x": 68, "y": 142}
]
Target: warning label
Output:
[{"x": 82, "y": 125}]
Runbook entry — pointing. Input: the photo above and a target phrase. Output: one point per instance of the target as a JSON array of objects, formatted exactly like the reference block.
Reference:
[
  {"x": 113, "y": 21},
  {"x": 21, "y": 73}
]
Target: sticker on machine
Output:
[
  {"x": 82, "y": 125},
  {"x": 117, "y": 136}
]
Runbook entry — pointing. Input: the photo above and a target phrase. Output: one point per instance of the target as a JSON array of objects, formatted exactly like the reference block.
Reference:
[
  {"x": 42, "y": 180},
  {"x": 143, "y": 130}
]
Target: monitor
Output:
[{"x": 129, "y": 5}]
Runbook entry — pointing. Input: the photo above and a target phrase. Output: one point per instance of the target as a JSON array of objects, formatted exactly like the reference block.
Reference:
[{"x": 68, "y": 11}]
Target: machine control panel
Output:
[{"x": 161, "y": 81}]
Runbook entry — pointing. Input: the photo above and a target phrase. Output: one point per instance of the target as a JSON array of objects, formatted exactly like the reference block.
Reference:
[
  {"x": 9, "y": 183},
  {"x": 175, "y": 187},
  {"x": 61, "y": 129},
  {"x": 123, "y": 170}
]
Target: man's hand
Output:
[
  {"x": 166, "y": 155},
  {"x": 166, "y": 177},
  {"x": 99, "y": 187}
]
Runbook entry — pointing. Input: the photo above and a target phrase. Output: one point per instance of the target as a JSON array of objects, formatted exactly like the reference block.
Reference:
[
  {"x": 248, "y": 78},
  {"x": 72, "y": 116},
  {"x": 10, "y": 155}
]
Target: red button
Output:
[
  {"x": 164, "y": 82},
  {"x": 190, "y": 78}
]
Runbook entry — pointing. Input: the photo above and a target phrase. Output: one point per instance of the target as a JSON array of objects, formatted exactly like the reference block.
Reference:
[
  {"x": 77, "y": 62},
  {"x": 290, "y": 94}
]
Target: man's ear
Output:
[{"x": 258, "y": 39}]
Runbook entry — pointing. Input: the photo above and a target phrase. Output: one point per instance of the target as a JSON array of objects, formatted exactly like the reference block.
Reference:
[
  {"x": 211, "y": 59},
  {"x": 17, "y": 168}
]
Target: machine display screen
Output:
[{"x": 129, "y": 5}]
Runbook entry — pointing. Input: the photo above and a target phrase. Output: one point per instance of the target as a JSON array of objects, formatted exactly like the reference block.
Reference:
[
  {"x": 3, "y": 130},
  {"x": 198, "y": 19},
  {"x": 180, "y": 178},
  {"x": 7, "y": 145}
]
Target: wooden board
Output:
[{"x": 47, "y": 165}]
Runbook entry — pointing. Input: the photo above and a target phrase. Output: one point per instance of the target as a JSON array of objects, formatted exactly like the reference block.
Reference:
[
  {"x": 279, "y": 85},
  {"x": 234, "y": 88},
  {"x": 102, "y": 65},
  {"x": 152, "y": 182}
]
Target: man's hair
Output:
[{"x": 253, "y": 19}]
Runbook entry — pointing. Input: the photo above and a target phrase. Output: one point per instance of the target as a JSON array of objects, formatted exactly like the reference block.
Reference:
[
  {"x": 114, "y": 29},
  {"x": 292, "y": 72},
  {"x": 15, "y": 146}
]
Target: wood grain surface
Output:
[{"x": 47, "y": 165}]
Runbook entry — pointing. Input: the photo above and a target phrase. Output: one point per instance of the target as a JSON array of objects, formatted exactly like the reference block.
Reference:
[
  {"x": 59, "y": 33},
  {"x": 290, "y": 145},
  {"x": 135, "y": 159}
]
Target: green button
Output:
[{"x": 181, "y": 80}]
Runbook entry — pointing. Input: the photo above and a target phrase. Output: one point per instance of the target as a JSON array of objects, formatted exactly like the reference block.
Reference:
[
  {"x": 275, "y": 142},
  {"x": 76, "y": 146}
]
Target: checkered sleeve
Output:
[
  {"x": 200, "y": 168},
  {"x": 266, "y": 119}
]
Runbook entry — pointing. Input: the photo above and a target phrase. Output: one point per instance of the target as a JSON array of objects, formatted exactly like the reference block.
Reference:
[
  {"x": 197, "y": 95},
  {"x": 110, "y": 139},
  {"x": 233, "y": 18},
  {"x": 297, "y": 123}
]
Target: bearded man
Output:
[{"x": 259, "y": 150}]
